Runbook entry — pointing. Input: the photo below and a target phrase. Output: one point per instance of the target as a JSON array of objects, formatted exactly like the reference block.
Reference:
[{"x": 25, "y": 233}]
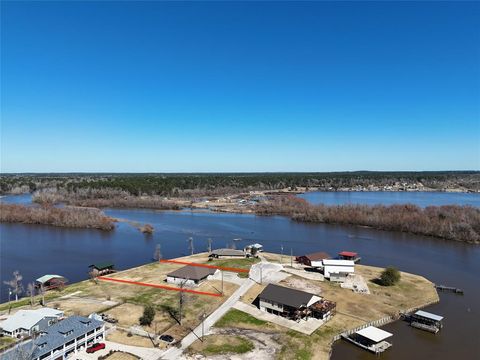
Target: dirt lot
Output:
[
  {"x": 122, "y": 337},
  {"x": 118, "y": 355}
]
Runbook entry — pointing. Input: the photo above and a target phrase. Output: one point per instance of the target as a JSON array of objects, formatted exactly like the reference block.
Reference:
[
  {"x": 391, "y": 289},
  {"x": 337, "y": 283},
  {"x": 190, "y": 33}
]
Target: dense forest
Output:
[
  {"x": 190, "y": 185},
  {"x": 451, "y": 222}
]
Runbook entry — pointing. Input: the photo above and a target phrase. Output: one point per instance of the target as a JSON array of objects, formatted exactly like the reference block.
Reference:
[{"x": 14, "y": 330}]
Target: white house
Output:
[
  {"x": 26, "y": 322},
  {"x": 337, "y": 270}
]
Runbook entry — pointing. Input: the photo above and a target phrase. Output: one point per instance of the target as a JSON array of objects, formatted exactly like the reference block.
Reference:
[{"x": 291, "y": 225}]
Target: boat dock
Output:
[
  {"x": 449, "y": 288},
  {"x": 371, "y": 339},
  {"x": 425, "y": 321}
]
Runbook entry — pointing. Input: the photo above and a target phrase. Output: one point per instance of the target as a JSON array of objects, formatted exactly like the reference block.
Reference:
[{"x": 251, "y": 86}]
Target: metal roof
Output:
[
  {"x": 102, "y": 265},
  {"x": 375, "y": 334},
  {"x": 348, "y": 253},
  {"x": 192, "y": 272},
  {"x": 228, "y": 252},
  {"x": 286, "y": 296},
  {"x": 26, "y": 319},
  {"x": 429, "y": 315},
  {"x": 46, "y": 278},
  {"x": 335, "y": 262},
  {"x": 317, "y": 256}
]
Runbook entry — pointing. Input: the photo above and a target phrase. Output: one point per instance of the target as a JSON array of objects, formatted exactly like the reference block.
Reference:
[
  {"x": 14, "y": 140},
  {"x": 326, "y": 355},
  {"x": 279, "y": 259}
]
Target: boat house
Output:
[
  {"x": 60, "y": 340},
  {"x": 349, "y": 255},
  {"x": 313, "y": 259},
  {"x": 337, "y": 270},
  {"x": 190, "y": 275},
  {"x": 28, "y": 322},
  {"x": 103, "y": 268},
  {"x": 258, "y": 247},
  {"x": 426, "y": 321},
  {"x": 226, "y": 253},
  {"x": 49, "y": 282},
  {"x": 294, "y": 304},
  {"x": 371, "y": 338}
]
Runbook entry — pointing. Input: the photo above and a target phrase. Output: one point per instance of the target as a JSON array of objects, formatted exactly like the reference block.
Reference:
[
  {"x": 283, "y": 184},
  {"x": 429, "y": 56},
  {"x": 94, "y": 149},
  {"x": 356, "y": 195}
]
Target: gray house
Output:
[
  {"x": 190, "y": 275},
  {"x": 27, "y": 322},
  {"x": 60, "y": 340}
]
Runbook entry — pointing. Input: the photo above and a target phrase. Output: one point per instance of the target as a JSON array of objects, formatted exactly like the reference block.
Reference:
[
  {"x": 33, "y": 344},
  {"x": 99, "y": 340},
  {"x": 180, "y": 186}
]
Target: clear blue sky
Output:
[{"x": 187, "y": 87}]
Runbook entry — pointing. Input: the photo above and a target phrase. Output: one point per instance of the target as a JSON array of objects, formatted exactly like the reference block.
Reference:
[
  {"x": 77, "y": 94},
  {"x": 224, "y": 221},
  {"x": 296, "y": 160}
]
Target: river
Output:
[{"x": 36, "y": 250}]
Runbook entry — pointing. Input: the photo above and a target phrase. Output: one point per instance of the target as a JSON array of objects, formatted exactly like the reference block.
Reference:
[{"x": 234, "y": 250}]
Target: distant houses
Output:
[
  {"x": 28, "y": 322},
  {"x": 60, "y": 340},
  {"x": 227, "y": 253},
  {"x": 294, "y": 304},
  {"x": 190, "y": 275}
]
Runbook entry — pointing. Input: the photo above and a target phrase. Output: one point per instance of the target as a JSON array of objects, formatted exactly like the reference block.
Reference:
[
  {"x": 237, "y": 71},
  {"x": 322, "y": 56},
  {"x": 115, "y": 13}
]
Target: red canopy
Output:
[{"x": 348, "y": 253}]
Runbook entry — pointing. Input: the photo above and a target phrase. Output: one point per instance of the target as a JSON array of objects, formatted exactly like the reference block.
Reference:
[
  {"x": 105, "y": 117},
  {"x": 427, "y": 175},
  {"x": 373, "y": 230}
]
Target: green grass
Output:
[
  {"x": 234, "y": 317},
  {"x": 235, "y": 345},
  {"x": 5, "y": 341},
  {"x": 236, "y": 263}
]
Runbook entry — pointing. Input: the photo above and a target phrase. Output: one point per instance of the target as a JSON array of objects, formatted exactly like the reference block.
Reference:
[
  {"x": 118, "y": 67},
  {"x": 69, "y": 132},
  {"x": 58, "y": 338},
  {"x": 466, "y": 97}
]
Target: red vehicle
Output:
[{"x": 96, "y": 347}]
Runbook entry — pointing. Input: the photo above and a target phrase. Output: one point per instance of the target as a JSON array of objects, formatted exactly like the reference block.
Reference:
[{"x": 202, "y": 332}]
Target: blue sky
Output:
[{"x": 187, "y": 87}]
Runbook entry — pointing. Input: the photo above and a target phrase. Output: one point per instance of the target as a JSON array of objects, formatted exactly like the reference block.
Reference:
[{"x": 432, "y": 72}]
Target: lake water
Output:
[
  {"x": 420, "y": 198},
  {"x": 36, "y": 250}
]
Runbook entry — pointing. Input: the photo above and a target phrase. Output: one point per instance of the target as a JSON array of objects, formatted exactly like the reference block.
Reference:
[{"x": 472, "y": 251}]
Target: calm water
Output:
[
  {"x": 420, "y": 198},
  {"x": 36, "y": 250}
]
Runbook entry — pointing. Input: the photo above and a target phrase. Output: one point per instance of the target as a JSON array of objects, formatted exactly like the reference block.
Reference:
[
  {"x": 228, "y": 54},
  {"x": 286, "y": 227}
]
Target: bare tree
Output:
[
  {"x": 209, "y": 245},
  {"x": 157, "y": 255},
  {"x": 31, "y": 293},
  {"x": 190, "y": 245},
  {"x": 15, "y": 284},
  {"x": 93, "y": 275}
]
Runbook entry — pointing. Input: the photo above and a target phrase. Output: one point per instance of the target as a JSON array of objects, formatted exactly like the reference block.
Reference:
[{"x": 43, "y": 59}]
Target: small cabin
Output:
[
  {"x": 349, "y": 255},
  {"x": 313, "y": 259},
  {"x": 103, "y": 268},
  {"x": 426, "y": 321},
  {"x": 49, "y": 282}
]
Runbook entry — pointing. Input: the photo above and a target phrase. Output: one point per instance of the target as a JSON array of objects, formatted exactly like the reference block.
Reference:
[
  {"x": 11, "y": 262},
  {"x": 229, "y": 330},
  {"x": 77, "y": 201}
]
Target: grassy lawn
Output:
[
  {"x": 222, "y": 344},
  {"x": 235, "y": 317}
]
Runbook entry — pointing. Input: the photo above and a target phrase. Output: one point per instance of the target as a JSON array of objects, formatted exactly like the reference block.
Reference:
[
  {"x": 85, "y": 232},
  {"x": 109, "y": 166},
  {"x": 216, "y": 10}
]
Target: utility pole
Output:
[
  {"x": 261, "y": 277},
  {"x": 209, "y": 248},
  {"x": 291, "y": 257},
  {"x": 281, "y": 254},
  {"x": 190, "y": 245},
  {"x": 221, "y": 271},
  {"x": 203, "y": 325}
]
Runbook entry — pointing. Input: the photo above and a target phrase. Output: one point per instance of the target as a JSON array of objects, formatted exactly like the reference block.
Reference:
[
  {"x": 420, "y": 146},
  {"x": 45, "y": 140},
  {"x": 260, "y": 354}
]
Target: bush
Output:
[
  {"x": 148, "y": 315},
  {"x": 390, "y": 276}
]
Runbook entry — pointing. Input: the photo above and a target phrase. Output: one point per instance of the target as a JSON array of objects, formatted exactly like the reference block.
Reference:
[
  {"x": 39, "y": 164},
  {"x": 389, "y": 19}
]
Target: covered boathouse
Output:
[
  {"x": 426, "y": 321},
  {"x": 349, "y": 255},
  {"x": 371, "y": 338},
  {"x": 103, "y": 268},
  {"x": 49, "y": 282}
]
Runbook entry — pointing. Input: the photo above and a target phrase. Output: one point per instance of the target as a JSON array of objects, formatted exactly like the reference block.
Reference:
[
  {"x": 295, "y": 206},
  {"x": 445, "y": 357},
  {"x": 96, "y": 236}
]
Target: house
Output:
[
  {"x": 27, "y": 322},
  {"x": 294, "y": 304},
  {"x": 226, "y": 253},
  {"x": 48, "y": 282},
  {"x": 349, "y": 255},
  {"x": 313, "y": 259},
  {"x": 60, "y": 340},
  {"x": 102, "y": 268},
  {"x": 337, "y": 270},
  {"x": 190, "y": 275},
  {"x": 371, "y": 338}
]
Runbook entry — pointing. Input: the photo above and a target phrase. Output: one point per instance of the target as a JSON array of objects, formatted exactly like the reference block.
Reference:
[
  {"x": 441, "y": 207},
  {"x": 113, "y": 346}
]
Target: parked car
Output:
[
  {"x": 95, "y": 347},
  {"x": 167, "y": 338}
]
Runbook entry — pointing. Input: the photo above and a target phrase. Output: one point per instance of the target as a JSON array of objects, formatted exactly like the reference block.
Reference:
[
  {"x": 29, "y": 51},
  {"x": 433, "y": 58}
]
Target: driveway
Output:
[
  {"x": 262, "y": 270},
  {"x": 142, "y": 352}
]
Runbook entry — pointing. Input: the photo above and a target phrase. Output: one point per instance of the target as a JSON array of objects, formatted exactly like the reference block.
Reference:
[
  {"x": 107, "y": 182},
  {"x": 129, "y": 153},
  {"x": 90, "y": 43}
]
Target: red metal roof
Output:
[{"x": 348, "y": 253}]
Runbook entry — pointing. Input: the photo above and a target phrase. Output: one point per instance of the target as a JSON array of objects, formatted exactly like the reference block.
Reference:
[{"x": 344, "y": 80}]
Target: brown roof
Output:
[
  {"x": 286, "y": 296},
  {"x": 192, "y": 272},
  {"x": 317, "y": 256}
]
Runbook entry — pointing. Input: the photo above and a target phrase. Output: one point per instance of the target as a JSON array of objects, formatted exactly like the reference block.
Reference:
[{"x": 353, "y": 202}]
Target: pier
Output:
[{"x": 449, "y": 289}]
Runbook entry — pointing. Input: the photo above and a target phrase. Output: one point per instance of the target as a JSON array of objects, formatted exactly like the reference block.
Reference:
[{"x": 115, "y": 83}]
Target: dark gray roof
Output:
[
  {"x": 286, "y": 296},
  {"x": 192, "y": 272},
  {"x": 54, "y": 336},
  {"x": 228, "y": 252}
]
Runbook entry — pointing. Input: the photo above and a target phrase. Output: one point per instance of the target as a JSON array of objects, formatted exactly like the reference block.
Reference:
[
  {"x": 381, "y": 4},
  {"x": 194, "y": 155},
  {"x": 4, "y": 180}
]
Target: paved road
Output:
[{"x": 262, "y": 270}]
